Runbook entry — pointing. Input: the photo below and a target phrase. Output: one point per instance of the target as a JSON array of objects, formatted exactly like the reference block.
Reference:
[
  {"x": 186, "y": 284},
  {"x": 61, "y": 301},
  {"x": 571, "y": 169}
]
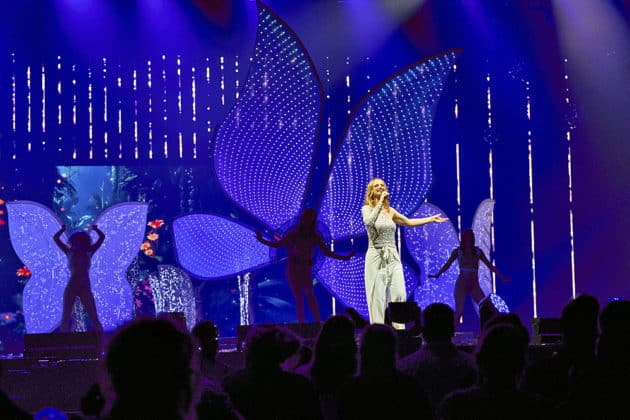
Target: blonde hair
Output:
[{"x": 370, "y": 200}]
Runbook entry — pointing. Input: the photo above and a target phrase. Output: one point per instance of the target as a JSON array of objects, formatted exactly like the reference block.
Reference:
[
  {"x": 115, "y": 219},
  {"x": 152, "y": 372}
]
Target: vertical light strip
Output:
[
  {"x": 194, "y": 111},
  {"x": 28, "y": 109},
  {"x": 570, "y": 127},
  {"x": 208, "y": 98},
  {"x": 236, "y": 82},
  {"x": 59, "y": 108},
  {"x": 90, "y": 116},
  {"x": 13, "y": 108},
  {"x": 165, "y": 121},
  {"x": 74, "y": 111},
  {"x": 150, "y": 103},
  {"x": 531, "y": 196},
  {"x": 105, "y": 134},
  {"x": 43, "y": 108},
  {"x": 491, "y": 175},
  {"x": 222, "y": 67},
  {"x": 119, "y": 121},
  {"x": 179, "y": 110},
  {"x": 135, "y": 113},
  {"x": 457, "y": 157}
]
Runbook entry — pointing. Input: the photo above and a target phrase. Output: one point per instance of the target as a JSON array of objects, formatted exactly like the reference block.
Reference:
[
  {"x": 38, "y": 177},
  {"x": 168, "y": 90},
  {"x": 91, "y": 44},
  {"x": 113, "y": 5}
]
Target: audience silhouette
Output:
[
  {"x": 262, "y": 390},
  {"x": 439, "y": 366},
  {"x": 380, "y": 390}
]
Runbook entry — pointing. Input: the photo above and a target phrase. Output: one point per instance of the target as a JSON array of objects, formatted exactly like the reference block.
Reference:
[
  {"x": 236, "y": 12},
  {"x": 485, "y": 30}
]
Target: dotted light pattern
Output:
[
  {"x": 173, "y": 292},
  {"x": 210, "y": 247},
  {"x": 32, "y": 227},
  {"x": 430, "y": 246},
  {"x": 388, "y": 136},
  {"x": 346, "y": 281},
  {"x": 265, "y": 147}
]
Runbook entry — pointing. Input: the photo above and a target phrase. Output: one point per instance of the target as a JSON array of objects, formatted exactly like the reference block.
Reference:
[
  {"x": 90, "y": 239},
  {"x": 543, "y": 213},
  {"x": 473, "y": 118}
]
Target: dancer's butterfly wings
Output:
[
  {"x": 32, "y": 227},
  {"x": 431, "y": 246},
  {"x": 482, "y": 227}
]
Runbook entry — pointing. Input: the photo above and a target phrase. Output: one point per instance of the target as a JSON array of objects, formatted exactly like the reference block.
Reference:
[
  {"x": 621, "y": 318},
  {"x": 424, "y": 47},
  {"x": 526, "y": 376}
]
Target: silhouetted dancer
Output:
[
  {"x": 300, "y": 243},
  {"x": 468, "y": 257},
  {"x": 79, "y": 252}
]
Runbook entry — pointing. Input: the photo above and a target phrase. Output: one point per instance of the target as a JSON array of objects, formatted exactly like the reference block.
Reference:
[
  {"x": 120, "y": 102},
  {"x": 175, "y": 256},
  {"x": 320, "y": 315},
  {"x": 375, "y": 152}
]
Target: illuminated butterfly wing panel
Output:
[
  {"x": 211, "y": 247},
  {"x": 431, "y": 246},
  {"x": 124, "y": 225},
  {"x": 388, "y": 137},
  {"x": 482, "y": 227},
  {"x": 31, "y": 228},
  {"x": 265, "y": 148}
]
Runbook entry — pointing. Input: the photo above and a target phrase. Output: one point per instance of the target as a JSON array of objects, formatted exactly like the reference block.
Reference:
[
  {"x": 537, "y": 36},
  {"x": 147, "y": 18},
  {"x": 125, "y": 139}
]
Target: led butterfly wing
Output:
[
  {"x": 388, "y": 136},
  {"x": 265, "y": 148},
  {"x": 31, "y": 229},
  {"x": 431, "y": 246},
  {"x": 482, "y": 227},
  {"x": 213, "y": 247},
  {"x": 124, "y": 225}
]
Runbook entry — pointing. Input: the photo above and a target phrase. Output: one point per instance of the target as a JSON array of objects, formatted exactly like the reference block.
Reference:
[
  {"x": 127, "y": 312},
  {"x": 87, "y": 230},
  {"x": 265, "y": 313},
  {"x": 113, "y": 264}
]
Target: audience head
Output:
[
  {"x": 614, "y": 323},
  {"x": 501, "y": 354},
  {"x": 510, "y": 319},
  {"x": 149, "y": 360},
  {"x": 207, "y": 335},
  {"x": 335, "y": 348},
  {"x": 438, "y": 323},
  {"x": 378, "y": 349},
  {"x": 268, "y": 347},
  {"x": 579, "y": 320}
]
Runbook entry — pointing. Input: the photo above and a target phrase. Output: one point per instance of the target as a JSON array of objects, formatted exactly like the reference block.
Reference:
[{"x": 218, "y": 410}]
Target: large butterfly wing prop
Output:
[
  {"x": 124, "y": 225},
  {"x": 388, "y": 136},
  {"x": 265, "y": 148},
  {"x": 263, "y": 155},
  {"x": 431, "y": 245},
  {"x": 213, "y": 247},
  {"x": 482, "y": 227},
  {"x": 31, "y": 228}
]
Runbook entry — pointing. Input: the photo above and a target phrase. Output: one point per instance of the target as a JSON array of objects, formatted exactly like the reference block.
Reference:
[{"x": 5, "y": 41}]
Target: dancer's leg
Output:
[
  {"x": 460, "y": 299},
  {"x": 87, "y": 298},
  {"x": 69, "y": 296}
]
